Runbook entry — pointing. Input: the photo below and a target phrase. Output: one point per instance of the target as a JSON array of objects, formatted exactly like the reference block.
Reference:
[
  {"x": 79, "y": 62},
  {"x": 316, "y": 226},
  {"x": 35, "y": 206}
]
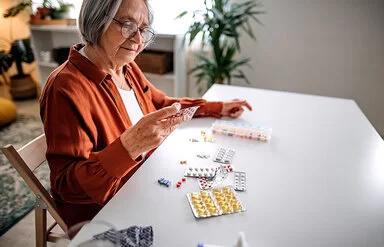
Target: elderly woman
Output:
[{"x": 101, "y": 115}]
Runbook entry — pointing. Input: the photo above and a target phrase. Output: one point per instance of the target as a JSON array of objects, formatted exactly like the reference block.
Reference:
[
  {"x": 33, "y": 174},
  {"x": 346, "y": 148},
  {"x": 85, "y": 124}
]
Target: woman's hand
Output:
[
  {"x": 151, "y": 130},
  {"x": 234, "y": 108}
]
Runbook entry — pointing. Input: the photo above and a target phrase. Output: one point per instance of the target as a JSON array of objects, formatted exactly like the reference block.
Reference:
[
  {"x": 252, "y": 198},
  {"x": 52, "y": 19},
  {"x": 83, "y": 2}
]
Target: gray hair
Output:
[{"x": 96, "y": 15}]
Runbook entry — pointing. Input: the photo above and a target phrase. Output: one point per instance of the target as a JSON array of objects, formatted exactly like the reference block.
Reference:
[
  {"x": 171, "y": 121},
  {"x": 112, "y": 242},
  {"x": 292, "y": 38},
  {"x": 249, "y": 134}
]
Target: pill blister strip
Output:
[
  {"x": 240, "y": 181},
  {"x": 224, "y": 155},
  {"x": 187, "y": 112},
  {"x": 203, "y": 204},
  {"x": 205, "y": 183},
  {"x": 206, "y": 172},
  {"x": 221, "y": 175},
  {"x": 216, "y": 202},
  {"x": 227, "y": 200}
]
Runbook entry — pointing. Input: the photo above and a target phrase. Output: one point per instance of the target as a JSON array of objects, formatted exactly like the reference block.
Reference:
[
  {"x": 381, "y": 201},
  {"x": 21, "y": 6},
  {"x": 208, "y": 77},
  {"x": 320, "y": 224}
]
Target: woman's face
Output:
[{"x": 119, "y": 49}]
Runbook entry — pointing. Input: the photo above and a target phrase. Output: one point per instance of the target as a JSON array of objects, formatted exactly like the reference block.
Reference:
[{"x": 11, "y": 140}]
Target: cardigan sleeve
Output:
[{"x": 80, "y": 173}]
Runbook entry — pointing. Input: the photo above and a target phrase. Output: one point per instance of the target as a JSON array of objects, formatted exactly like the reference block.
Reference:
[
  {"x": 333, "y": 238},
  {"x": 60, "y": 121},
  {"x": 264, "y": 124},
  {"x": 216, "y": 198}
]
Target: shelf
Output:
[
  {"x": 167, "y": 76},
  {"x": 61, "y": 28},
  {"x": 48, "y": 64},
  {"x": 49, "y": 37}
]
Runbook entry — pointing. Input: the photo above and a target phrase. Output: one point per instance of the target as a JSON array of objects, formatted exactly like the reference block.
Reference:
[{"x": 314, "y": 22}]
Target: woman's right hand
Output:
[{"x": 151, "y": 130}]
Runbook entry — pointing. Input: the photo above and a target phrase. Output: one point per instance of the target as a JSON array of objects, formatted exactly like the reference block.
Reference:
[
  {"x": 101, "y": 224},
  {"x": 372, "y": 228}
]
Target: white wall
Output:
[{"x": 324, "y": 47}]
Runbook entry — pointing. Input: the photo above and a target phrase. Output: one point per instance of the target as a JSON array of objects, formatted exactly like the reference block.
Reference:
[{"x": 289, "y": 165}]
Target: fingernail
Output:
[{"x": 178, "y": 106}]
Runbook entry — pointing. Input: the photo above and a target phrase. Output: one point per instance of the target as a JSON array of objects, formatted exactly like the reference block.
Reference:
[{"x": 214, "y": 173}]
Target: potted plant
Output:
[
  {"x": 62, "y": 12},
  {"x": 22, "y": 85},
  {"x": 5, "y": 63},
  {"x": 219, "y": 25},
  {"x": 43, "y": 11},
  {"x": 15, "y": 10}
]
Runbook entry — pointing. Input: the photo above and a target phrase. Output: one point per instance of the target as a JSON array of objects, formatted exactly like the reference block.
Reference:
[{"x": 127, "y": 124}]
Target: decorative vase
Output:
[
  {"x": 23, "y": 86},
  {"x": 43, "y": 12}
]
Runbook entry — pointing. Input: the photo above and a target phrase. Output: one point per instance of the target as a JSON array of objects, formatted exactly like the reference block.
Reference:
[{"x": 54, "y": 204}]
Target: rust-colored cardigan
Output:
[{"x": 83, "y": 117}]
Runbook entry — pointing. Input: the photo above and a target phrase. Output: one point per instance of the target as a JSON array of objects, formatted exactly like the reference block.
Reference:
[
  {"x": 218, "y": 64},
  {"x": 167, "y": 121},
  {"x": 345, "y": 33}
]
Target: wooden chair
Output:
[{"x": 26, "y": 160}]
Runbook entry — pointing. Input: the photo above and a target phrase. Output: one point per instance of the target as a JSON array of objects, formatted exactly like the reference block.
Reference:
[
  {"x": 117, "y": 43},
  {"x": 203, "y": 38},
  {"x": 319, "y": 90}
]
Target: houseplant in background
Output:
[
  {"x": 42, "y": 11},
  {"x": 22, "y": 85},
  {"x": 5, "y": 63},
  {"x": 48, "y": 10},
  {"x": 62, "y": 12},
  {"x": 219, "y": 25}
]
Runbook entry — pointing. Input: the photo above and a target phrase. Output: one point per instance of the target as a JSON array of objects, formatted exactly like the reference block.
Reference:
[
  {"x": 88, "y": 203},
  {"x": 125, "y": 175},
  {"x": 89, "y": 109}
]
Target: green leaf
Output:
[
  {"x": 219, "y": 26},
  {"x": 181, "y": 14}
]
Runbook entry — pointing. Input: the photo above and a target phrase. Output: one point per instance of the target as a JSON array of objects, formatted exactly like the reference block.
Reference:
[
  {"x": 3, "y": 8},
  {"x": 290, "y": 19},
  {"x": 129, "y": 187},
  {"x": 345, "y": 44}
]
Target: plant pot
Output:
[
  {"x": 5, "y": 91},
  {"x": 37, "y": 16},
  {"x": 23, "y": 86},
  {"x": 43, "y": 12}
]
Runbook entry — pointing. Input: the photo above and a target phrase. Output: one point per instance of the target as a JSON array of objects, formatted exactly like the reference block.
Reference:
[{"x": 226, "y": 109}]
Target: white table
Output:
[{"x": 318, "y": 182}]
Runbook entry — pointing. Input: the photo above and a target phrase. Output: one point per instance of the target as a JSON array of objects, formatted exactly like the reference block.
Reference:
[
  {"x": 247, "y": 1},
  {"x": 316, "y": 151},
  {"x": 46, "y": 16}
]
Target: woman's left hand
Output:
[{"x": 234, "y": 108}]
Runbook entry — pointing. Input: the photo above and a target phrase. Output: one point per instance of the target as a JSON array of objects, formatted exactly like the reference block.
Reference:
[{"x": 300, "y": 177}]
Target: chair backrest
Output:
[{"x": 26, "y": 160}]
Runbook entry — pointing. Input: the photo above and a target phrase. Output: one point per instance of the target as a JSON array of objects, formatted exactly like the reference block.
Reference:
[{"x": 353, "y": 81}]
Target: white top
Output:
[
  {"x": 82, "y": 52},
  {"x": 131, "y": 105}
]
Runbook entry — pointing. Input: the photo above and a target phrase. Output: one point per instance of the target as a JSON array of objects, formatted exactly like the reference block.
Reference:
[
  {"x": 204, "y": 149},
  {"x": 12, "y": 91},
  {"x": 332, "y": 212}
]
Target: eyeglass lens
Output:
[{"x": 129, "y": 30}]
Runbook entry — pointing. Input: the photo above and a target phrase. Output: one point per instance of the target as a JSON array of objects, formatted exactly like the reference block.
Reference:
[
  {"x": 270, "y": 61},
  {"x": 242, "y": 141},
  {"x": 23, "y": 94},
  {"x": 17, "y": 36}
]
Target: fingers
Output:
[
  {"x": 237, "y": 113},
  {"x": 166, "y": 111},
  {"x": 246, "y": 104},
  {"x": 243, "y": 103}
]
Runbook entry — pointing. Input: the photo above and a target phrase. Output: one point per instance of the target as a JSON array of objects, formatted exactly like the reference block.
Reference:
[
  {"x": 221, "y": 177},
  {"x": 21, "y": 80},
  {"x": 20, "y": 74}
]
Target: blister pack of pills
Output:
[
  {"x": 203, "y": 205},
  {"x": 224, "y": 155},
  {"x": 215, "y": 202},
  {"x": 243, "y": 130},
  {"x": 221, "y": 174},
  {"x": 206, "y": 172},
  {"x": 205, "y": 183},
  {"x": 188, "y": 112},
  {"x": 240, "y": 181}
]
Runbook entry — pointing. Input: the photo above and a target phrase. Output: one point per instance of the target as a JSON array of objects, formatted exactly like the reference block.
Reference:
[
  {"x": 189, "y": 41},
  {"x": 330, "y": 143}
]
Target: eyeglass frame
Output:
[{"x": 137, "y": 29}]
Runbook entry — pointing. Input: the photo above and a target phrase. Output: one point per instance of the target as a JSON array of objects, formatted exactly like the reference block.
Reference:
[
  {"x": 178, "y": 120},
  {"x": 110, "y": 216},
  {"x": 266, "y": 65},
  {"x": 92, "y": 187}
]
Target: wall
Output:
[
  {"x": 12, "y": 29},
  {"x": 328, "y": 47}
]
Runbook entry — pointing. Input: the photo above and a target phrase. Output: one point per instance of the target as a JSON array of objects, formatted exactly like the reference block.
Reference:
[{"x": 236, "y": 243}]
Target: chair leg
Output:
[{"x": 41, "y": 227}]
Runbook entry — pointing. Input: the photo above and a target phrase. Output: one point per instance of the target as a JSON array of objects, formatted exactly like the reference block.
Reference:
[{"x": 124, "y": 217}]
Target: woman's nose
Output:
[{"x": 137, "y": 37}]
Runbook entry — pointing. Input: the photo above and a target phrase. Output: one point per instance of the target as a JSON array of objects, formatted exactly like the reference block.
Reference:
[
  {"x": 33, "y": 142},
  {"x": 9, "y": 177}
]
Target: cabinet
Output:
[{"x": 47, "y": 38}]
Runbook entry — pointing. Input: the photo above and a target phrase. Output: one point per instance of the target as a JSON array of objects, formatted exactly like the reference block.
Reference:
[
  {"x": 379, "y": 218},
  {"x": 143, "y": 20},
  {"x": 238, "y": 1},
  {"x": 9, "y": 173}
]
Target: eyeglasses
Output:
[{"x": 129, "y": 30}]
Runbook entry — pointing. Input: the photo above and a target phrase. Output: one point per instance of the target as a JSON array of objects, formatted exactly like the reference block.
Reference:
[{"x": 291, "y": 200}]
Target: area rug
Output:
[{"x": 16, "y": 199}]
